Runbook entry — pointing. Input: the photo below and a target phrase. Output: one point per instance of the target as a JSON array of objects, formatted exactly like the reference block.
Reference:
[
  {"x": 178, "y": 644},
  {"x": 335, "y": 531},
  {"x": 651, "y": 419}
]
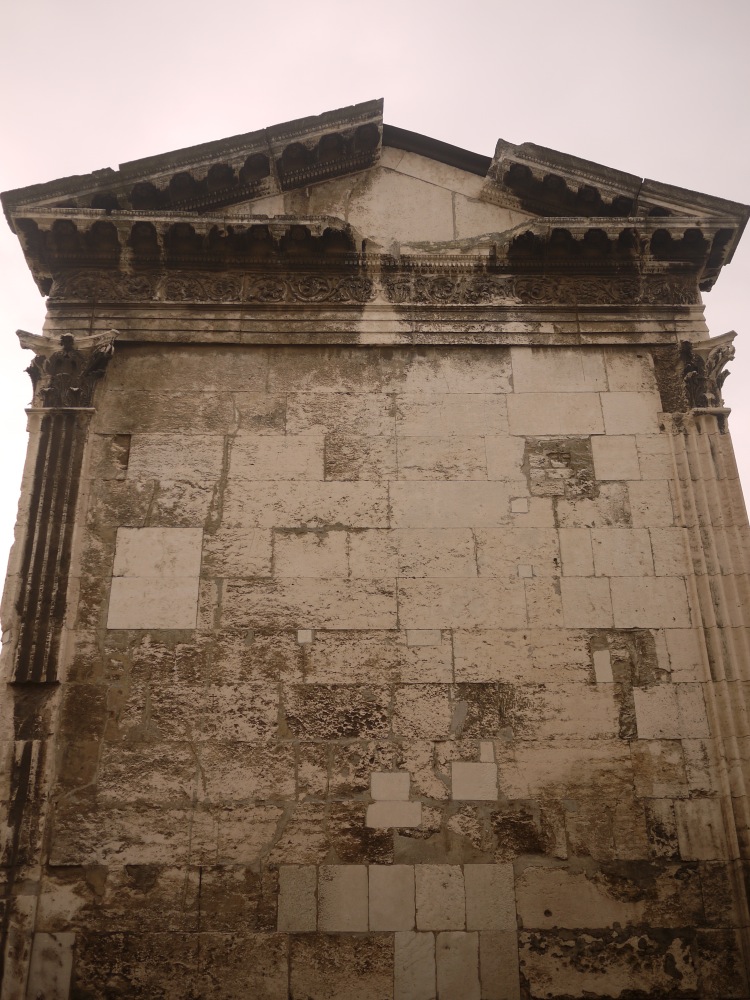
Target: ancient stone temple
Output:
[{"x": 377, "y": 623}]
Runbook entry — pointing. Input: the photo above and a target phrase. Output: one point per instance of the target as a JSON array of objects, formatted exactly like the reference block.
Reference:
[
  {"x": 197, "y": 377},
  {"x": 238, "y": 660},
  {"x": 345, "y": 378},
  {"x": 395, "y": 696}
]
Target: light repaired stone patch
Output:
[{"x": 156, "y": 578}]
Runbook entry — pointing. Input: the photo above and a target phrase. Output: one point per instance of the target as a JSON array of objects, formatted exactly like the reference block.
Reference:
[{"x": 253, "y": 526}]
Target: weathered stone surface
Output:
[
  {"x": 414, "y": 971},
  {"x": 340, "y": 966}
]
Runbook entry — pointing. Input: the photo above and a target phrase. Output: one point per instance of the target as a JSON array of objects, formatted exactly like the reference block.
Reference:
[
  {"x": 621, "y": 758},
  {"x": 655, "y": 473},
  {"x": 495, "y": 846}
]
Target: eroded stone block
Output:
[
  {"x": 414, "y": 972},
  {"x": 297, "y": 899},
  {"x": 490, "y": 897},
  {"x": 342, "y": 898},
  {"x": 440, "y": 897}
]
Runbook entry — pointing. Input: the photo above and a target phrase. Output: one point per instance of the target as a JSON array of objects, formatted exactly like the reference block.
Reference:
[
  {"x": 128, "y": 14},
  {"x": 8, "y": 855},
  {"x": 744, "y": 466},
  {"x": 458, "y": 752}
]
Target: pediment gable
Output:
[{"x": 355, "y": 185}]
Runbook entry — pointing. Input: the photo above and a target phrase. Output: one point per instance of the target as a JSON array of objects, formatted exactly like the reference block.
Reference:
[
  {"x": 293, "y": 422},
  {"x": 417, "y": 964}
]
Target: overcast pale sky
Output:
[{"x": 658, "y": 88}]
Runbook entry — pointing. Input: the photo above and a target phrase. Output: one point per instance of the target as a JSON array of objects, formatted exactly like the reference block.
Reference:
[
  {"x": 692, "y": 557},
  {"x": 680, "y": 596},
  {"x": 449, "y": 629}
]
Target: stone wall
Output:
[{"x": 386, "y": 677}]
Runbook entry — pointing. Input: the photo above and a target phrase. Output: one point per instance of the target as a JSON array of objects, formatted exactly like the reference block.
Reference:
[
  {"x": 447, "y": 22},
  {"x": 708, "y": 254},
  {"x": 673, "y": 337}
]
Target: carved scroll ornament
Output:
[
  {"x": 703, "y": 372},
  {"x": 66, "y": 378}
]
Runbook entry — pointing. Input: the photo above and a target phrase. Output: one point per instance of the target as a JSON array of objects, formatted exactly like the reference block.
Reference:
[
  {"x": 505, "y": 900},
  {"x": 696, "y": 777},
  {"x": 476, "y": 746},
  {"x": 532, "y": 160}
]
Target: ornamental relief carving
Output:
[{"x": 399, "y": 288}]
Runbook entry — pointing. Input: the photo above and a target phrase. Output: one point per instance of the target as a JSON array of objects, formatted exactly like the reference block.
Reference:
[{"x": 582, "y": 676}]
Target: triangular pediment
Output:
[{"x": 362, "y": 186}]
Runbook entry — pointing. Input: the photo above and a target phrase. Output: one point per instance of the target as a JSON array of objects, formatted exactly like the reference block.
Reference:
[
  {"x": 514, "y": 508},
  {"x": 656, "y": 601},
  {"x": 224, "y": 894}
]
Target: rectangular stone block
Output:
[
  {"x": 390, "y": 785},
  {"x": 503, "y": 551},
  {"x": 423, "y": 637},
  {"x": 498, "y": 965},
  {"x": 557, "y": 412},
  {"x": 671, "y": 551},
  {"x": 490, "y": 897},
  {"x": 298, "y": 505},
  {"x": 436, "y": 458},
  {"x": 603, "y": 666},
  {"x": 320, "y": 554},
  {"x": 615, "y": 457},
  {"x": 651, "y": 504},
  {"x": 446, "y": 414},
  {"x": 342, "y": 898},
  {"x": 238, "y": 552},
  {"x": 192, "y": 457},
  {"x": 391, "y": 897},
  {"x": 700, "y": 830},
  {"x": 686, "y": 652},
  {"x": 317, "y": 413},
  {"x": 440, "y": 897},
  {"x": 355, "y": 456},
  {"x": 473, "y": 782},
  {"x": 291, "y": 602},
  {"x": 436, "y": 552},
  {"x": 140, "y": 603},
  {"x": 452, "y": 505},
  {"x": 50, "y": 966},
  {"x": 457, "y": 960},
  {"x": 631, "y": 412},
  {"x": 279, "y": 457},
  {"x": 629, "y": 372},
  {"x": 586, "y": 602},
  {"x": 504, "y": 457},
  {"x": 558, "y": 369},
  {"x": 461, "y": 603},
  {"x": 671, "y": 712},
  {"x": 650, "y": 602},
  {"x": 622, "y": 552},
  {"x": 393, "y": 815},
  {"x": 373, "y": 554},
  {"x": 158, "y": 552},
  {"x": 414, "y": 967},
  {"x": 297, "y": 903},
  {"x": 575, "y": 552}
]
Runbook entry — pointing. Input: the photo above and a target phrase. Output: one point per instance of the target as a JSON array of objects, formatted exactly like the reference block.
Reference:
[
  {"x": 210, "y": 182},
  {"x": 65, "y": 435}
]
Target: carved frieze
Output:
[
  {"x": 422, "y": 286},
  {"x": 66, "y": 378}
]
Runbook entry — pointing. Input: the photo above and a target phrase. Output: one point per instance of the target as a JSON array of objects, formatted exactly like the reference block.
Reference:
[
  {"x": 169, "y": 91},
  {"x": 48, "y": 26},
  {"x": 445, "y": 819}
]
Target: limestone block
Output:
[
  {"x": 436, "y": 552},
  {"x": 575, "y": 550},
  {"x": 611, "y": 507},
  {"x": 242, "y": 771},
  {"x": 392, "y": 785},
  {"x": 389, "y": 815},
  {"x": 297, "y": 903},
  {"x": 671, "y": 712},
  {"x": 414, "y": 971},
  {"x": 440, "y": 897},
  {"x": 670, "y": 548},
  {"x": 631, "y": 412},
  {"x": 555, "y": 413},
  {"x": 556, "y": 369},
  {"x": 51, "y": 966},
  {"x": 504, "y": 456},
  {"x": 355, "y": 456},
  {"x": 586, "y": 602},
  {"x": 124, "y": 411},
  {"x": 500, "y": 551},
  {"x": 685, "y": 648},
  {"x": 260, "y": 412},
  {"x": 628, "y": 371},
  {"x": 603, "y": 666},
  {"x": 137, "y": 772},
  {"x": 452, "y": 505},
  {"x": 461, "y": 603},
  {"x": 435, "y": 458},
  {"x": 446, "y": 414},
  {"x": 342, "y": 898},
  {"x": 615, "y": 457},
  {"x": 140, "y": 603},
  {"x": 195, "y": 367},
  {"x": 470, "y": 781},
  {"x": 362, "y": 413},
  {"x": 517, "y": 656},
  {"x": 337, "y": 967},
  {"x": 171, "y": 457},
  {"x": 237, "y": 552},
  {"x": 314, "y": 505},
  {"x": 373, "y": 554},
  {"x": 423, "y": 637},
  {"x": 309, "y": 603},
  {"x": 654, "y": 455},
  {"x": 555, "y": 897},
  {"x": 320, "y": 554},
  {"x": 158, "y": 552},
  {"x": 457, "y": 960},
  {"x": 622, "y": 552},
  {"x": 490, "y": 897},
  {"x": 651, "y": 504},
  {"x": 305, "y": 636},
  {"x": 700, "y": 830},
  {"x": 336, "y": 712},
  {"x": 498, "y": 965},
  {"x": 568, "y": 710},
  {"x": 659, "y": 769},
  {"x": 650, "y": 602},
  {"x": 280, "y": 457},
  {"x": 391, "y": 897}
]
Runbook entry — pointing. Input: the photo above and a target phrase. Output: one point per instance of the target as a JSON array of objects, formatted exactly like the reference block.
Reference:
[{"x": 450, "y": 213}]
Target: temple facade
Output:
[{"x": 377, "y": 624}]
